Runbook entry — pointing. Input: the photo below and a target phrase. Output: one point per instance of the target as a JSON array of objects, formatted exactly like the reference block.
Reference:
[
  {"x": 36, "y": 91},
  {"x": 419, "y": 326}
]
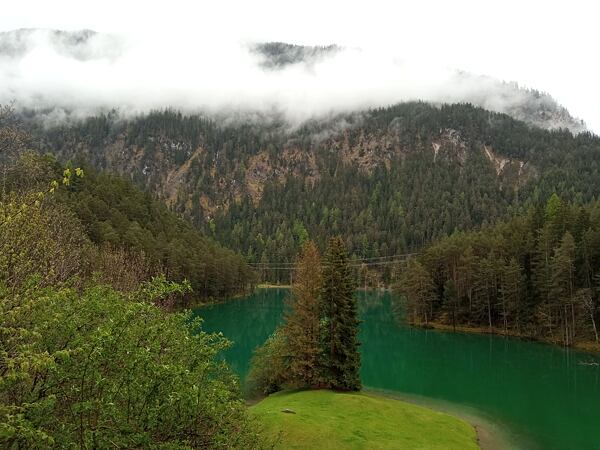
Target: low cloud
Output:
[{"x": 73, "y": 74}]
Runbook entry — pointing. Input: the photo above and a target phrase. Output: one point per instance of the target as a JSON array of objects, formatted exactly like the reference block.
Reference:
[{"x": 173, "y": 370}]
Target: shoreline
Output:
[
  {"x": 491, "y": 435},
  {"x": 584, "y": 346},
  {"x": 273, "y": 286}
]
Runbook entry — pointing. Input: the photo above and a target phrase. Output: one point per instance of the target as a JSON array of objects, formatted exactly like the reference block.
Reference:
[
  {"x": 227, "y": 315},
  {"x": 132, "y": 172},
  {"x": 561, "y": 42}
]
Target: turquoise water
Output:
[{"x": 541, "y": 394}]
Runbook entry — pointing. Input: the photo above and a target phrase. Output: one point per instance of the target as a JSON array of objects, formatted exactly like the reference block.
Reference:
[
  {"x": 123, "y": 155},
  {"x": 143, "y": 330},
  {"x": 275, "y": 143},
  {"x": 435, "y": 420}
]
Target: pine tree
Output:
[
  {"x": 562, "y": 285},
  {"x": 467, "y": 269},
  {"x": 341, "y": 359},
  {"x": 486, "y": 289},
  {"x": 301, "y": 329},
  {"x": 417, "y": 287},
  {"x": 510, "y": 293}
]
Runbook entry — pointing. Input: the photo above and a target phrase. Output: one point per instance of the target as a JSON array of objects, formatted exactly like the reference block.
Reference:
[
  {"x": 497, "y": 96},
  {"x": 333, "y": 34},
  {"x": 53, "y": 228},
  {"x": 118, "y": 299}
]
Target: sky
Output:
[{"x": 189, "y": 51}]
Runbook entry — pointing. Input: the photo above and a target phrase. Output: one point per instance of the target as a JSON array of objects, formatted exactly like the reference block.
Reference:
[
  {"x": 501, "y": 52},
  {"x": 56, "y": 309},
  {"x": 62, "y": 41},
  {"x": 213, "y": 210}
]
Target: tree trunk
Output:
[
  {"x": 489, "y": 308},
  {"x": 594, "y": 325}
]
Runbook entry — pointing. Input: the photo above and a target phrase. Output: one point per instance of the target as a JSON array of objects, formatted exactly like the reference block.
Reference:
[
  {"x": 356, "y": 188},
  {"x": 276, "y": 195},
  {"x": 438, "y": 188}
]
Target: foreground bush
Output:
[{"x": 95, "y": 370}]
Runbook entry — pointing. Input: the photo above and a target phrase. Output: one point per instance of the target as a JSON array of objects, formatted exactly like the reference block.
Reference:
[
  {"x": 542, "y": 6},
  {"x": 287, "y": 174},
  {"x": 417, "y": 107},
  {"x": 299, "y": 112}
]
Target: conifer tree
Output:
[
  {"x": 417, "y": 287},
  {"x": 341, "y": 359},
  {"x": 562, "y": 285},
  {"x": 510, "y": 293},
  {"x": 301, "y": 329}
]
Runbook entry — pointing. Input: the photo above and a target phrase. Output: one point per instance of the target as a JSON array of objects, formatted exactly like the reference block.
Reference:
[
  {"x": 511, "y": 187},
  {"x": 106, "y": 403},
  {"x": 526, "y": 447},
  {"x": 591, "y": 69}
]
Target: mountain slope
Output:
[
  {"x": 129, "y": 227},
  {"x": 389, "y": 180}
]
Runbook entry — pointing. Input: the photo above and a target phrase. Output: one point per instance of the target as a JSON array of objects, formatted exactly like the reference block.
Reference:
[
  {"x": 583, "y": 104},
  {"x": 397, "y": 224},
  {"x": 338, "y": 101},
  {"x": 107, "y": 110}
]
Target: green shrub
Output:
[{"x": 95, "y": 370}]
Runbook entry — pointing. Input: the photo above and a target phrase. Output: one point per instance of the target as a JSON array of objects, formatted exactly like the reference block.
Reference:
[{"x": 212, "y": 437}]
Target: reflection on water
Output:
[{"x": 543, "y": 393}]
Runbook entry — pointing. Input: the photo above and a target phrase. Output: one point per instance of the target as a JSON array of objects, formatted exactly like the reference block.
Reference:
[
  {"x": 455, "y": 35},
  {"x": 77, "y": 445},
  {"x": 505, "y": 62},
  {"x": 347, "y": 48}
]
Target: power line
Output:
[{"x": 352, "y": 262}]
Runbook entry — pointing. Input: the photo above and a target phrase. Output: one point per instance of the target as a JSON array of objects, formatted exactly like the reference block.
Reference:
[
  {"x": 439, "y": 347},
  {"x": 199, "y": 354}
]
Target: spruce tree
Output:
[
  {"x": 562, "y": 285},
  {"x": 341, "y": 360}
]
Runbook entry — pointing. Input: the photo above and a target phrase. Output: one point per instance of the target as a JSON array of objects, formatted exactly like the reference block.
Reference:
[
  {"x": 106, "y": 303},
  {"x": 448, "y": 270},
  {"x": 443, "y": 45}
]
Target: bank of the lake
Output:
[
  {"x": 585, "y": 346},
  {"x": 540, "y": 395},
  {"x": 320, "y": 419}
]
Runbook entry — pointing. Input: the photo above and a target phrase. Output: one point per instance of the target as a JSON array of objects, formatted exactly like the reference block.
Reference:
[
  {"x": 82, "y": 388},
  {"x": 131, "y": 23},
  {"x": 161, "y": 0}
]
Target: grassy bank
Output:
[
  {"x": 326, "y": 419},
  {"x": 587, "y": 346}
]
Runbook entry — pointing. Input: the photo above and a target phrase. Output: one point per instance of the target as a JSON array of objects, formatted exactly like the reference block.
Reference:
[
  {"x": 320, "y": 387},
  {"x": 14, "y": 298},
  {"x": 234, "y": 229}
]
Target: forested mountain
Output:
[
  {"x": 536, "y": 275},
  {"x": 389, "y": 180}
]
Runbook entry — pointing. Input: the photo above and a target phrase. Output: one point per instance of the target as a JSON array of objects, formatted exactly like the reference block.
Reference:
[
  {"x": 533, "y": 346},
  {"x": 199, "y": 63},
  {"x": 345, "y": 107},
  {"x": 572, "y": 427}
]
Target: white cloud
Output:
[{"x": 192, "y": 54}]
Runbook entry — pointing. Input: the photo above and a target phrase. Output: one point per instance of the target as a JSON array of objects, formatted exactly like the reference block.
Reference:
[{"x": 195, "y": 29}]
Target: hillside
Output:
[
  {"x": 389, "y": 180},
  {"x": 126, "y": 226}
]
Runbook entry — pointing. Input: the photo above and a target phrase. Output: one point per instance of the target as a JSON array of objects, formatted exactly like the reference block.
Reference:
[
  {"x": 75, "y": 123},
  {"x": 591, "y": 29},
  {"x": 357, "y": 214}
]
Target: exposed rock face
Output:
[{"x": 200, "y": 181}]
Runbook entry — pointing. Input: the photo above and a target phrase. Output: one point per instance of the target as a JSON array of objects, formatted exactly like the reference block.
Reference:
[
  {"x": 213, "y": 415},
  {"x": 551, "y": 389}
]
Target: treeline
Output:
[
  {"x": 117, "y": 213},
  {"x": 535, "y": 275},
  {"x": 126, "y": 223}
]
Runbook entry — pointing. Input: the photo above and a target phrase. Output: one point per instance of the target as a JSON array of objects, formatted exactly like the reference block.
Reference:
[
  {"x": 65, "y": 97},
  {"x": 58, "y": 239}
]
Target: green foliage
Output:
[
  {"x": 118, "y": 216},
  {"x": 302, "y": 327},
  {"x": 317, "y": 346},
  {"x": 85, "y": 366},
  {"x": 94, "y": 370},
  {"x": 270, "y": 365},
  {"x": 531, "y": 275},
  {"x": 339, "y": 316},
  {"x": 416, "y": 286},
  {"x": 116, "y": 212},
  {"x": 158, "y": 289},
  {"x": 39, "y": 237}
]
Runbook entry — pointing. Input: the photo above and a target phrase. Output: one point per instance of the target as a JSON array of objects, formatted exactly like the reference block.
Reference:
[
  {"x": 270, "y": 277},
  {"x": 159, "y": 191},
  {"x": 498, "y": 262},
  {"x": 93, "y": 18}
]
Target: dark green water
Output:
[{"x": 541, "y": 394}]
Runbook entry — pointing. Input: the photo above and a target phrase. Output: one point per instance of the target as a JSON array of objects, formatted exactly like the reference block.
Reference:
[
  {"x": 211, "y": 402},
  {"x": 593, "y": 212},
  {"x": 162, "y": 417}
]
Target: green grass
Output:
[{"x": 330, "y": 420}]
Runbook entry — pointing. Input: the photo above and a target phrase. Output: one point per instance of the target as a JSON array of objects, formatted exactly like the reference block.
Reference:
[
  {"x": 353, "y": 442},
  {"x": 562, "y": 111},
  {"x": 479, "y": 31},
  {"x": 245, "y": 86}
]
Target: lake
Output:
[{"x": 540, "y": 395}]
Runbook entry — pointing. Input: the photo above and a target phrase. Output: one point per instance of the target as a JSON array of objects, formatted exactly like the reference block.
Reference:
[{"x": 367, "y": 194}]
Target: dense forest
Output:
[
  {"x": 535, "y": 275},
  {"x": 124, "y": 223},
  {"x": 389, "y": 180}
]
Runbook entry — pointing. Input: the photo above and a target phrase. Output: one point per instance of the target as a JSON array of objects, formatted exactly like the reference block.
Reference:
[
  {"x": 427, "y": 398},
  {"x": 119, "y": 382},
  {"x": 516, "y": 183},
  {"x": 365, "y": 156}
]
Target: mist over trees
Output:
[{"x": 298, "y": 81}]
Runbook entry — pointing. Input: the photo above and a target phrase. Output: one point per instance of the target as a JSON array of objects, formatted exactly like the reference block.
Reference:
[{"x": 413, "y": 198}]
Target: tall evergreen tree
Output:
[
  {"x": 510, "y": 294},
  {"x": 301, "y": 329},
  {"x": 339, "y": 320},
  {"x": 562, "y": 285}
]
